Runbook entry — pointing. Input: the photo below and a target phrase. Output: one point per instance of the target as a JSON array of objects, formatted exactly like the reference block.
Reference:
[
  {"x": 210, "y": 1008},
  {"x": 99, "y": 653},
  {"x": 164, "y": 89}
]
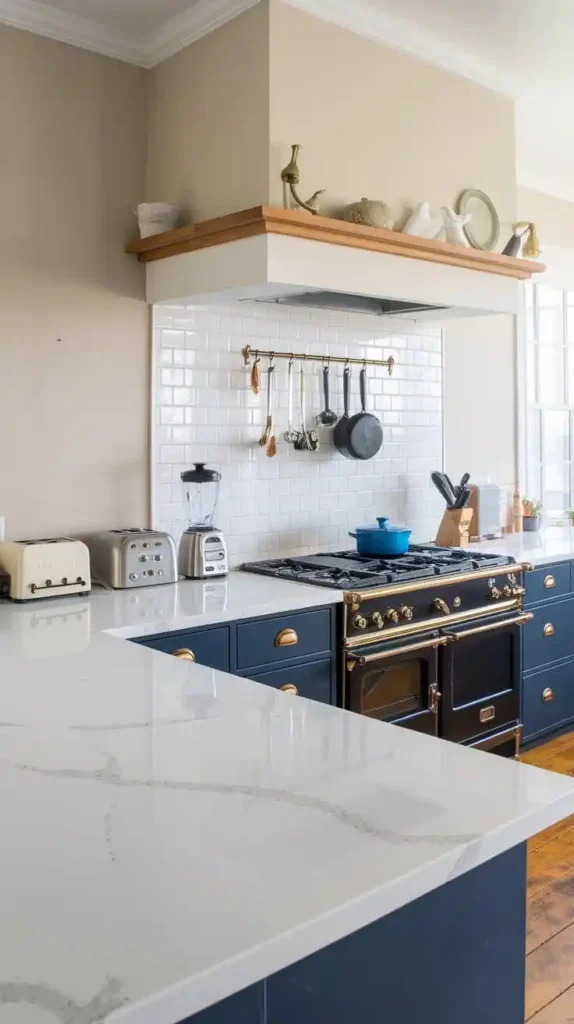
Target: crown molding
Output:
[
  {"x": 204, "y": 17},
  {"x": 44, "y": 20},
  {"x": 363, "y": 18},
  {"x": 180, "y": 31}
]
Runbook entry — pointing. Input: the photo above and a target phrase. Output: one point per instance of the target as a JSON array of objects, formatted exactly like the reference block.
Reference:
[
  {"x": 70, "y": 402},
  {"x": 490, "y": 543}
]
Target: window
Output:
[{"x": 550, "y": 398}]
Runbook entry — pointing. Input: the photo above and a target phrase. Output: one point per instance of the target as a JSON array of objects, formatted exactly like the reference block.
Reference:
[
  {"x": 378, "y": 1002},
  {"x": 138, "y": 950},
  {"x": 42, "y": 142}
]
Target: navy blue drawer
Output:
[
  {"x": 311, "y": 680},
  {"x": 550, "y": 581},
  {"x": 283, "y": 638},
  {"x": 548, "y": 699},
  {"x": 549, "y": 636},
  {"x": 210, "y": 646}
]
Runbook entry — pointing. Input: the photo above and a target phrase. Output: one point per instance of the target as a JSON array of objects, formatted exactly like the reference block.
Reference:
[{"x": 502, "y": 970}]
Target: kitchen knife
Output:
[
  {"x": 449, "y": 489},
  {"x": 464, "y": 498},
  {"x": 443, "y": 489}
]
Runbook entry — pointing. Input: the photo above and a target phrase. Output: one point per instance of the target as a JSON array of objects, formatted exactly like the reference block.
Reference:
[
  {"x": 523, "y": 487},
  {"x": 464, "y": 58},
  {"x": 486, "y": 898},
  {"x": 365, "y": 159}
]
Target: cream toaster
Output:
[
  {"x": 51, "y": 567},
  {"x": 132, "y": 557}
]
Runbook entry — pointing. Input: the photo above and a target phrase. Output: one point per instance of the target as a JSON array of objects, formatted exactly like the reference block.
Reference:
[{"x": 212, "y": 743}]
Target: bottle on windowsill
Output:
[{"x": 517, "y": 511}]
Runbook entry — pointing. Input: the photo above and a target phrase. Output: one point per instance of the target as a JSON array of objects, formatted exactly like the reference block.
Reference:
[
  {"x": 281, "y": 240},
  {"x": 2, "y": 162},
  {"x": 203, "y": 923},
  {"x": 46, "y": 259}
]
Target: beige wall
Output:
[
  {"x": 209, "y": 121},
  {"x": 74, "y": 334},
  {"x": 379, "y": 123},
  {"x": 553, "y": 217},
  {"x": 480, "y": 399}
]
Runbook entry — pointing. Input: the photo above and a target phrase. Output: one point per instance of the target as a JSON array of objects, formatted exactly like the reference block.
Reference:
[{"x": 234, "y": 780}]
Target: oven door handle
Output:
[
  {"x": 364, "y": 659},
  {"x": 518, "y": 621}
]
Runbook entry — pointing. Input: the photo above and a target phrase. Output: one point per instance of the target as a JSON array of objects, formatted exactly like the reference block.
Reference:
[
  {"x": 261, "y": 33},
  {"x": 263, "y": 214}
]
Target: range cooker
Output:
[{"x": 430, "y": 640}]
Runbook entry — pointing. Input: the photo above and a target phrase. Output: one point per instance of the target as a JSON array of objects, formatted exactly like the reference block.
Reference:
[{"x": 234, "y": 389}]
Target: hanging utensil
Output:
[
  {"x": 302, "y": 441},
  {"x": 290, "y": 434},
  {"x": 255, "y": 376},
  {"x": 359, "y": 436},
  {"x": 327, "y": 418},
  {"x": 272, "y": 444},
  {"x": 269, "y": 421}
]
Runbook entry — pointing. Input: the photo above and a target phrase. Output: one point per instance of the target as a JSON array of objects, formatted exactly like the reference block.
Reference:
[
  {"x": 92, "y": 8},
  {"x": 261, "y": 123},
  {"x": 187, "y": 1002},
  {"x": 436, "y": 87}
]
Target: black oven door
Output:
[
  {"x": 480, "y": 675},
  {"x": 396, "y": 683}
]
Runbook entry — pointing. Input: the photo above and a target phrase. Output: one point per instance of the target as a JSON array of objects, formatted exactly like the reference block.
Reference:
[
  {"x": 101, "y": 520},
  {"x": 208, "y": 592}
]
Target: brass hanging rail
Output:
[{"x": 248, "y": 352}]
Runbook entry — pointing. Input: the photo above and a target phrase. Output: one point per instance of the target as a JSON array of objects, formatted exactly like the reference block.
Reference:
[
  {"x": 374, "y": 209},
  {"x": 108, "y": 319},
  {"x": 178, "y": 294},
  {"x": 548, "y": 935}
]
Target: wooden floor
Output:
[{"x": 550, "y": 933}]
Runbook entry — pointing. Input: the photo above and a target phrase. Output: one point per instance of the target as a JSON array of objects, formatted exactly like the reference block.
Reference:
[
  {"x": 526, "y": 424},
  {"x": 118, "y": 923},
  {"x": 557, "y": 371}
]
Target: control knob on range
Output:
[
  {"x": 377, "y": 620},
  {"x": 360, "y": 622},
  {"x": 392, "y": 615},
  {"x": 406, "y": 611}
]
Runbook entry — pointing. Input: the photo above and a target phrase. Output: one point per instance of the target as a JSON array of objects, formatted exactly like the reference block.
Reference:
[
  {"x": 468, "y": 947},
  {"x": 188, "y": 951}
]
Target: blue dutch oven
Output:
[{"x": 382, "y": 539}]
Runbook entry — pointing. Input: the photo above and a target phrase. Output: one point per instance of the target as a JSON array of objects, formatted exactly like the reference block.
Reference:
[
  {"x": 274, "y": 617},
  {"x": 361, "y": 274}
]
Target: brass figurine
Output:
[{"x": 290, "y": 176}]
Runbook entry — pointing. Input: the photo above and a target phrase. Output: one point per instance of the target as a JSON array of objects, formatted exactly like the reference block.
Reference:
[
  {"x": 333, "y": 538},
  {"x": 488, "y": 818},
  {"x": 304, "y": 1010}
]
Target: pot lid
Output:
[{"x": 383, "y": 524}]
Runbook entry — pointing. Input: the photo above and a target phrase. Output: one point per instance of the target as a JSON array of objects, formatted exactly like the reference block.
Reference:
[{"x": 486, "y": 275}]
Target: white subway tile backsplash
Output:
[{"x": 297, "y": 502}]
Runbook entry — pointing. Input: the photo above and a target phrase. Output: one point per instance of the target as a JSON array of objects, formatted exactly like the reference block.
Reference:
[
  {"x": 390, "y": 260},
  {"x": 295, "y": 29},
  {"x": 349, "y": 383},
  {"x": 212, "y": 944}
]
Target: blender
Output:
[{"x": 202, "y": 548}]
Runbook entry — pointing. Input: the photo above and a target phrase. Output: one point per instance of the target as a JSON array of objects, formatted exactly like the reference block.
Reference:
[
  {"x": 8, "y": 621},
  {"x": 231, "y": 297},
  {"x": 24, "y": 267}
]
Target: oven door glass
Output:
[
  {"x": 396, "y": 683},
  {"x": 480, "y": 675}
]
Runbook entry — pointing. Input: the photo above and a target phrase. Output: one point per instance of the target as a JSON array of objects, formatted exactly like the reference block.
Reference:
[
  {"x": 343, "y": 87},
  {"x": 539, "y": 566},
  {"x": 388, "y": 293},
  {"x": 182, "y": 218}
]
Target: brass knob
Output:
[
  {"x": 377, "y": 620},
  {"x": 547, "y": 694},
  {"x": 507, "y": 591},
  {"x": 441, "y": 606},
  {"x": 184, "y": 654},
  {"x": 286, "y": 638},
  {"x": 518, "y": 591},
  {"x": 360, "y": 622},
  {"x": 392, "y": 615},
  {"x": 406, "y": 611},
  {"x": 549, "y": 582},
  {"x": 456, "y": 602},
  {"x": 548, "y": 629},
  {"x": 290, "y": 688},
  {"x": 495, "y": 594}
]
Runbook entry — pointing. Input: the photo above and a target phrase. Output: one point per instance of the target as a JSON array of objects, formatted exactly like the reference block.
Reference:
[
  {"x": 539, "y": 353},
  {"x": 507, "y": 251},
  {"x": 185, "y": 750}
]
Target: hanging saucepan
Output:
[{"x": 359, "y": 436}]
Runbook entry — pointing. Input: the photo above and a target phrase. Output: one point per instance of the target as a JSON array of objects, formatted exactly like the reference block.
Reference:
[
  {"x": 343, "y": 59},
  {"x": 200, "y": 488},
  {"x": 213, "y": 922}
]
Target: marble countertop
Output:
[
  {"x": 547, "y": 545},
  {"x": 46, "y": 626},
  {"x": 171, "y": 834}
]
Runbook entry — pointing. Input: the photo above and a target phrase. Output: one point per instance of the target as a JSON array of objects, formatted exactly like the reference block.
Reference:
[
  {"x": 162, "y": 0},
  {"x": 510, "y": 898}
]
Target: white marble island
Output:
[{"x": 172, "y": 834}]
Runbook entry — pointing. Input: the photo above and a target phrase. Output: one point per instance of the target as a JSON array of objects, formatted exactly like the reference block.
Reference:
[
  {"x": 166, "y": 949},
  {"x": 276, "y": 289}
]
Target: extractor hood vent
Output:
[{"x": 342, "y": 303}]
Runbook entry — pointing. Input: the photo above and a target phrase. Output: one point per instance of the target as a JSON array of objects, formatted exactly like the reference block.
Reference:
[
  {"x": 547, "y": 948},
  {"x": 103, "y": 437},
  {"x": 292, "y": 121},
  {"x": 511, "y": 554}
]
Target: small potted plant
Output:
[
  {"x": 570, "y": 516},
  {"x": 531, "y": 513}
]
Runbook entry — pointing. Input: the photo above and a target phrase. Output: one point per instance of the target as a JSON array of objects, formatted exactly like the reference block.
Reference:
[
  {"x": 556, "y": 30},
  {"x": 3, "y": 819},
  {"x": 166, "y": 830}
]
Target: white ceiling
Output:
[{"x": 521, "y": 47}]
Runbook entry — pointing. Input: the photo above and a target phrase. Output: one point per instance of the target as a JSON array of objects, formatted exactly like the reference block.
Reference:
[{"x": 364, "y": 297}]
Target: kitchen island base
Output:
[{"x": 454, "y": 955}]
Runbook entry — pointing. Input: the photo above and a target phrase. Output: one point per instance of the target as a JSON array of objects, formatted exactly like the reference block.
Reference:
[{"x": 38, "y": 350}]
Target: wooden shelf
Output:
[{"x": 275, "y": 221}]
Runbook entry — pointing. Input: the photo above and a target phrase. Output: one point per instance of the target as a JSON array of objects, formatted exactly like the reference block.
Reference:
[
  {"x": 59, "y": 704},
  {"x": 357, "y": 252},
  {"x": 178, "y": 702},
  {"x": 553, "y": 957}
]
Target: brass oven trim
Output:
[
  {"x": 518, "y": 621},
  {"x": 430, "y": 583},
  {"x": 365, "y": 659},
  {"x": 433, "y": 624},
  {"x": 494, "y": 741}
]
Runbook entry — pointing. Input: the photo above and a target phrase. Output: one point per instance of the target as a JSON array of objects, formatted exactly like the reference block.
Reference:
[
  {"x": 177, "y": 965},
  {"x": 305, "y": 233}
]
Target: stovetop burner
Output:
[{"x": 347, "y": 570}]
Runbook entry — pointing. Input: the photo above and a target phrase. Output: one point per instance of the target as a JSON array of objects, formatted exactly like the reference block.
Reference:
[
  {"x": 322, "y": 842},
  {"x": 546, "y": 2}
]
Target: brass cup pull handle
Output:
[
  {"x": 549, "y": 582},
  {"x": 184, "y": 654},
  {"x": 286, "y": 638},
  {"x": 547, "y": 694},
  {"x": 548, "y": 630},
  {"x": 290, "y": 688}
]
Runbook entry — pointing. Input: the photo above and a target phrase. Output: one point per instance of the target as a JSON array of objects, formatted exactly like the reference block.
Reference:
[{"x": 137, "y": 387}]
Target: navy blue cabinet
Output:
[
  {"x": 209, "y": 647},
  {"x": 295, "y": 652},
  {"x": 548, "y": 651}
]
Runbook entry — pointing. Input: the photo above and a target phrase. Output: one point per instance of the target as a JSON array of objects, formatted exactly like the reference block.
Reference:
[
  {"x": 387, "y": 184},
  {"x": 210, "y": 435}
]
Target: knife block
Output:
[{"x": 454, "y": 530}]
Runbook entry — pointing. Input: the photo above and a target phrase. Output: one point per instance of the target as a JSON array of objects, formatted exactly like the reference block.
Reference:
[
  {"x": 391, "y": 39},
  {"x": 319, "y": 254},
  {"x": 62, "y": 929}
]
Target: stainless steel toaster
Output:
[{"x": 132, "y": 558}]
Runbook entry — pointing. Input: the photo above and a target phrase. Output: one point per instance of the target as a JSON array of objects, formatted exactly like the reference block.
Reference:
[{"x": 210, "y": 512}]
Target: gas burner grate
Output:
[{"x": 347, "y": 570}]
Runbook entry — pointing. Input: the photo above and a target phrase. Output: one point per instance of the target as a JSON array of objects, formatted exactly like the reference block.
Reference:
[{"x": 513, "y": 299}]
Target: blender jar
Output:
[{"x": 201, "y": 489}]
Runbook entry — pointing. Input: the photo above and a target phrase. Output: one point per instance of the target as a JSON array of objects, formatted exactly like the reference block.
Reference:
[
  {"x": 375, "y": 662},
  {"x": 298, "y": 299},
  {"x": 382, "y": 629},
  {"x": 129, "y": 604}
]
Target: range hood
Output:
[
  {"x": 341, "y": 303},
  {"x": 289, "y": 257}
]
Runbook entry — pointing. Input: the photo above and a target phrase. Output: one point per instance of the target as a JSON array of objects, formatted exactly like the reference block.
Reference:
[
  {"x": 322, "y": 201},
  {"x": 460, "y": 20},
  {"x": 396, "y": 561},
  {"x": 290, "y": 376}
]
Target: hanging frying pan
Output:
[{"x": 359, "y": 436}]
